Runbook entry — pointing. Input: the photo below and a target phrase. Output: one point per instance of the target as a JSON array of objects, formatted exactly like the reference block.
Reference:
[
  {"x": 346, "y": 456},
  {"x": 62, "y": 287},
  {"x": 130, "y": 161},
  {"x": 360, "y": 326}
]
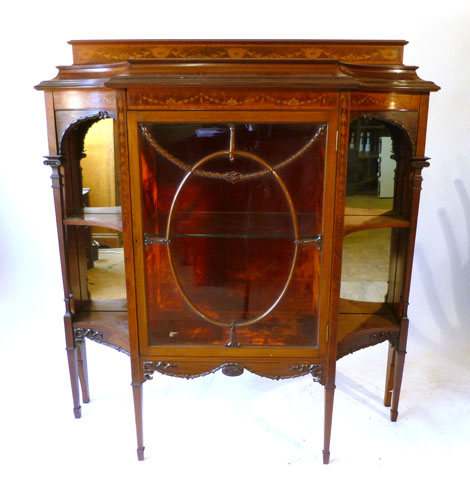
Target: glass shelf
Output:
[{"x": 237, "y": 225}]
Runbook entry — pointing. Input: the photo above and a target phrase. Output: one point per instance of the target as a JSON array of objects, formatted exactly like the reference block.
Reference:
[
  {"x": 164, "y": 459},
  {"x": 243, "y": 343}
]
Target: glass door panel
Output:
[{"x": 232, "y": 224}]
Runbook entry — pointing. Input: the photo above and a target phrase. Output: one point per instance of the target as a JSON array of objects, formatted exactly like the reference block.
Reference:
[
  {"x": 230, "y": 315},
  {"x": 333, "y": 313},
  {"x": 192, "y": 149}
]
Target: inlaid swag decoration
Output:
[{"x": 231, "y": 152}]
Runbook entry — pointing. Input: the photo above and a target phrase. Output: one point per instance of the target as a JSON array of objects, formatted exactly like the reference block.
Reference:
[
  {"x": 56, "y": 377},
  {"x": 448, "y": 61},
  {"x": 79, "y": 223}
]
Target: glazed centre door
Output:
[{"x": 231, "y": 228}]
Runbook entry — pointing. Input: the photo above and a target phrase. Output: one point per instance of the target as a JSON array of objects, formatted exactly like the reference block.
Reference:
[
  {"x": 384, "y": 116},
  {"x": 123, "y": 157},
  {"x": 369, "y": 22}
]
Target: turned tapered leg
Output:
[
  {"x": 329, "y": 399},
  {"x": 137, "y": 390},
  {"x": 389, "y": 376},
  {"x": 397, "y": 378},
  {"x": 73, "y": 370},
  {"x": 83, "y": 371}
]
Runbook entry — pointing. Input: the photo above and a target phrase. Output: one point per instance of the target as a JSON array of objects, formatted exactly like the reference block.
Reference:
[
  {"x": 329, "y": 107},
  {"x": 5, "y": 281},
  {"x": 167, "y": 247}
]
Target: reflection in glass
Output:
[
  {"x": 365, "y": 270},
  {"x": 371, "y": 167},
  {"x": 99, "y": 171},
  {"x": 106, "y": 279}
]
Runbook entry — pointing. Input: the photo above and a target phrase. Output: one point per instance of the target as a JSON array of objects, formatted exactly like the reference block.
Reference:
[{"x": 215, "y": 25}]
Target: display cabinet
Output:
[{"x": 253, "y": 204}]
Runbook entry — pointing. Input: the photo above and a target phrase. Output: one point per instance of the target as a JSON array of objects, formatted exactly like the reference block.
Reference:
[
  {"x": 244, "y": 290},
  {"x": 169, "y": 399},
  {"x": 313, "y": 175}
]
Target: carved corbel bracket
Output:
[
  {"x": 418, "y": 163},
  {"x": 54, "y": 161}
]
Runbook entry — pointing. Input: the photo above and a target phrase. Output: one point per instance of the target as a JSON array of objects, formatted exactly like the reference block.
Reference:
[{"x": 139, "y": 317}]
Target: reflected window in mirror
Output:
[{"x": 371, "y": 166}]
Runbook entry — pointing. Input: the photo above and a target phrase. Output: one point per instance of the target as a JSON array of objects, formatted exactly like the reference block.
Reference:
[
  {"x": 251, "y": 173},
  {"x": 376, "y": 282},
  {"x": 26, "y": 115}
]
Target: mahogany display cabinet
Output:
[{"x": 236, "y": 205}]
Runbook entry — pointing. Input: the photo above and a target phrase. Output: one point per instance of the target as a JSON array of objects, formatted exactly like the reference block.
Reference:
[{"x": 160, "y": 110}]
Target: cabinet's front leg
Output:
[
  {"x": 400, "y": 353},
  {"x": 329, "y": 399},
  {"x": 83, "y": 371},
  {"x": 73, "y": 370},
  {"x": 137, "y": 391},
  {"x": 389, "y": 376},
  {"x": 397, "y": 379},
  {"x": 73, "y": 364}
]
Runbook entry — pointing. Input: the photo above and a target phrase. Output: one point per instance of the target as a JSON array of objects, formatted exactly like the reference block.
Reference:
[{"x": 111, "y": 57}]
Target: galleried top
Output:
[
  {"x": 313, "y": 64},
  {"x": 111, "y": 51}
]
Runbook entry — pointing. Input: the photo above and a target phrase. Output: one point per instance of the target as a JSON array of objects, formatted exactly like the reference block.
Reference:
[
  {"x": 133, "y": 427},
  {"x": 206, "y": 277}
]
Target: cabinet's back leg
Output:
[
  {"x": 329, "y": 399},
  {"x": 137, "y": 391},
  {"x": 389, "y": 376},
  {"x": 83, "y": 371}
]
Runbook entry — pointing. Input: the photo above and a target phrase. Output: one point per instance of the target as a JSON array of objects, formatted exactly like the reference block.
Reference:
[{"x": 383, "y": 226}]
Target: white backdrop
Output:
[{"x": 34, "y": 40}]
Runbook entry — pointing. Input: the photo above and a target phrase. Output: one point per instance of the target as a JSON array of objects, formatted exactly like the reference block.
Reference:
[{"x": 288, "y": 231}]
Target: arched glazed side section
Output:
[
  {"x": 404, "y": 123},
  {"x": 380, "y": 154},
  {"x": 80, "y": 122},
  {"x": 379, "y": 162},
  {"x": 73, "y": 128}
]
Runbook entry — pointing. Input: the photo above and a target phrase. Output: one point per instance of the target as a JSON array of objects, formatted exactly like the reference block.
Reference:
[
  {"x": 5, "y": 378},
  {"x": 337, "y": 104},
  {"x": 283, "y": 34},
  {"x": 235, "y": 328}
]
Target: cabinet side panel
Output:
[
  {"x": 84, "y": 99},
  {"x": 416, "y": 166},
  {"x": 127, "y": 234},
  {"x": 422, "y": 125},
  {"x": 340, "y": 202},
  {"x": 51, "y": 125}
]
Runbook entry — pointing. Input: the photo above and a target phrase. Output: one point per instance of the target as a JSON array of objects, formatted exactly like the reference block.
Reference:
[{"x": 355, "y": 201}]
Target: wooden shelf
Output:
[
  {"x": 110, "y": 328},
  {"x": 357, "y": 331},
  {"x": 357, "y": 318},
  {"x": 364, "y": 323},
  {"x": 356, "y": 306},
  {"x": 357, "y": 219},
  {"x": 109, "y": 217}
]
